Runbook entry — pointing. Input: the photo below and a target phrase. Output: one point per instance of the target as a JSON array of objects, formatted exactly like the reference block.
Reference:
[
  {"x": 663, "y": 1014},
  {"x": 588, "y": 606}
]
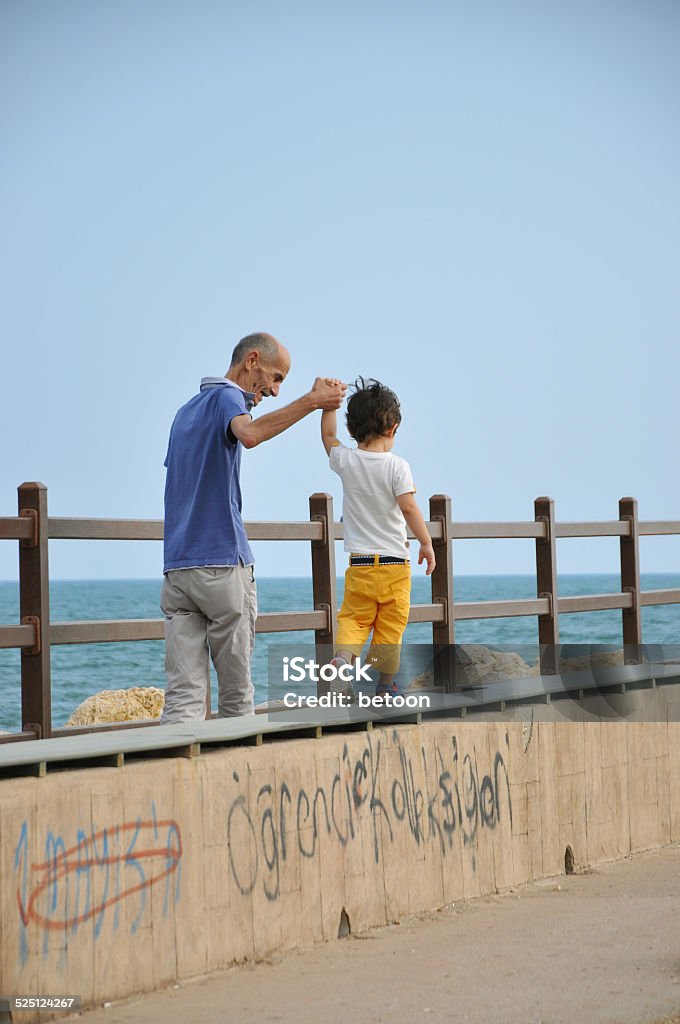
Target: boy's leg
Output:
[
  {"x": 358, "y": 612},
  {"x": 356, "y": 617},
  {"x": 391, "y": 621}
]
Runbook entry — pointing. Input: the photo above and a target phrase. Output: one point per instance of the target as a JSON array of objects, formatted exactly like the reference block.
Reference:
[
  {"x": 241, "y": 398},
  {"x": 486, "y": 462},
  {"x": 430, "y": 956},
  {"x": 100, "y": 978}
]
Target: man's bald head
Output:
[
  {"x": 269, "y": 349},
  {"x": 259, "y": 364}
]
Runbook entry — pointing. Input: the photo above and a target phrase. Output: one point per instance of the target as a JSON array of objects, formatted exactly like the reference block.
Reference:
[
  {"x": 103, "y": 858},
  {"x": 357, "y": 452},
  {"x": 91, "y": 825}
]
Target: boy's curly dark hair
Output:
[{"x": 372, "y": 410}]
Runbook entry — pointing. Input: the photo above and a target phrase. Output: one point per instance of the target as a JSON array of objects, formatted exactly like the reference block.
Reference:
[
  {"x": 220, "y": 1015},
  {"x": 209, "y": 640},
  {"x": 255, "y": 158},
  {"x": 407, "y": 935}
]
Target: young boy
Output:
[{"x": 378, "y": 502}]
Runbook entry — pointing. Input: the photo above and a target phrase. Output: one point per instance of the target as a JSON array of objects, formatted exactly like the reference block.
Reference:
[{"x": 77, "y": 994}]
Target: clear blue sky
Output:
[{"x": 477, "y": 203}]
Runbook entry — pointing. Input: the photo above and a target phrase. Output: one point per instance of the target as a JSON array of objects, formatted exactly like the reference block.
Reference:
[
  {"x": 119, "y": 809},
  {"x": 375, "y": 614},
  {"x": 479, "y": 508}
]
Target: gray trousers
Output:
[{"x": 208, "y": 610}]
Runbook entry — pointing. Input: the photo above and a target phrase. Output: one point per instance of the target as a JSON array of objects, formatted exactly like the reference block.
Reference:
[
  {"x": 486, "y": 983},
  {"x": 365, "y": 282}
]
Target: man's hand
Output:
[
  {"x": 426, "y": 554},
  {"x": 328, "y": 393}
]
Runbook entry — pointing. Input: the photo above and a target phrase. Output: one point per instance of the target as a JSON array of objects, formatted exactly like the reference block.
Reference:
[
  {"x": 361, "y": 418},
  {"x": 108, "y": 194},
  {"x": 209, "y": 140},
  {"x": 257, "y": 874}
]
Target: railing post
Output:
[
  {"x": 630, "y": 580},
  {"x": 442, "y": 593},
  {"x": 324, "y": 587},
  {"x": 34, "y": 604},
  {"x": 546, "y": 585}
]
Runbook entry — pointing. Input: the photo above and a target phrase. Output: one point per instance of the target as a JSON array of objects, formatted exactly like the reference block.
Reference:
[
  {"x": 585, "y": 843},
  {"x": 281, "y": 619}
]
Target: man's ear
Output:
[
  {"x": 252, "y": 360},
  {"x": 392, "y": 431}
]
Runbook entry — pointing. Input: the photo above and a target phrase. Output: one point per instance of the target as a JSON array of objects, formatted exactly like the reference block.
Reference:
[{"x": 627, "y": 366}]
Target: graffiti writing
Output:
[
  {"x": 433, "y": 801},
  {"x": 92, "y": 877}
]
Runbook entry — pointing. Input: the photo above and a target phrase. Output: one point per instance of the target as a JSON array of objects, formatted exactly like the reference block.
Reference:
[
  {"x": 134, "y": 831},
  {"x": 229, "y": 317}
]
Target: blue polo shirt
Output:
[{"x": 203, "y": 524}]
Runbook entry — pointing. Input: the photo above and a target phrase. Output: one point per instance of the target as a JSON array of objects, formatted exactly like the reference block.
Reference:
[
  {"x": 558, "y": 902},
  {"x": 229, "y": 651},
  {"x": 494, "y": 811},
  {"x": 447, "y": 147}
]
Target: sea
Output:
[{"x": 81, "y": 670}]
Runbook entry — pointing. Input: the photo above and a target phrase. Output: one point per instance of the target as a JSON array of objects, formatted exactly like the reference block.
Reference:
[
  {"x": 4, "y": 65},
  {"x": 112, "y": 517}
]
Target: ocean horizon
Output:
[{"x": 78, "y": 671}]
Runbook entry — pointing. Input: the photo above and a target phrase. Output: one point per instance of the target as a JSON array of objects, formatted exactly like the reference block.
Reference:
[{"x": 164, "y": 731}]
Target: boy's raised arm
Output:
[
  {"x": 329, "y": 420},
  {"x": 329, "y": 429}
]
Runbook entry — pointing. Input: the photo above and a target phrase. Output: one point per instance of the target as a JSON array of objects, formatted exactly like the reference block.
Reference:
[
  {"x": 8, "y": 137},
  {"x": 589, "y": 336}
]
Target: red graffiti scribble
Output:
[{"x": 76, "y": 859}]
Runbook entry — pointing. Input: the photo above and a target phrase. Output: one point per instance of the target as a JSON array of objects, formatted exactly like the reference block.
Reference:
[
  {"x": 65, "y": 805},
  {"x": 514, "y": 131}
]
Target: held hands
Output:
[
  {"x": 328, "y": 393},
  {"x": 426, "y": 554}
]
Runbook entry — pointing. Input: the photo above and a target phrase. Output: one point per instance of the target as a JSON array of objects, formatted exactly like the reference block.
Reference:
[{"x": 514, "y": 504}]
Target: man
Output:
[{"x": 209, "y": 596}]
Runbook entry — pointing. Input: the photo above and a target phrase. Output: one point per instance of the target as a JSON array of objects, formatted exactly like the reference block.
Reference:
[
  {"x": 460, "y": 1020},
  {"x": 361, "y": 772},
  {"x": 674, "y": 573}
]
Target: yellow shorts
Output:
[{"x": 378, "y": 598}]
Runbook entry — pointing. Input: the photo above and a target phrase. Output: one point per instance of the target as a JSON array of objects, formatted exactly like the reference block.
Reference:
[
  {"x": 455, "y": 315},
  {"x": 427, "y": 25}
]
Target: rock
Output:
[
  {"x": 137, "y": 702},
  {"x": 593, "y": 660},
  {"x": 476, "y": 664},
  {"x": 488, "y": 665}
]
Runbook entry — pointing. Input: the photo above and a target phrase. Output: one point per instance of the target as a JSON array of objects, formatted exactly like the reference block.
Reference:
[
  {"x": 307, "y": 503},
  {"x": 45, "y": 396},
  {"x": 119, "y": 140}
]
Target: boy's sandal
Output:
[{"x": 383, "y": 689}]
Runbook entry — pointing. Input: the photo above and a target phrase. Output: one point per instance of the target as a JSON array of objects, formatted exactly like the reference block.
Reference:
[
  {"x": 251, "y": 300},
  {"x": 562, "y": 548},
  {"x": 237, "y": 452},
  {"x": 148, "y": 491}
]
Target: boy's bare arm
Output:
[
  {"x": 329, "y": 429},
  {"x": 413, "y": 516}
]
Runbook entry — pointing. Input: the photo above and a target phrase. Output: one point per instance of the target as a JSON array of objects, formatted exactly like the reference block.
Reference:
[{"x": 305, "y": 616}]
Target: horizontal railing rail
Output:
[
  {"x": 653, "y": 597},
  {"x": 502, "y": 609},
  {"x": 16, "y": 528},
  {"x": 35, "y": 634},
  {"x": 17, "y": 636},
  {"x": 659, "y": 527}
]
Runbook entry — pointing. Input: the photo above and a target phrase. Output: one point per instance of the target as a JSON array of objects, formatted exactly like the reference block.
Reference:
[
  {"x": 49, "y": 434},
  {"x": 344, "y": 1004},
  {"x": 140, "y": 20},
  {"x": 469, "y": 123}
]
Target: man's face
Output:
[{"x": 267, "y": 377}]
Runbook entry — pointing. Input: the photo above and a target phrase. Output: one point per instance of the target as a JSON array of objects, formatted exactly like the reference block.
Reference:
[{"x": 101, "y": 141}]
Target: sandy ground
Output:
[{"x": 597, "y": 948}]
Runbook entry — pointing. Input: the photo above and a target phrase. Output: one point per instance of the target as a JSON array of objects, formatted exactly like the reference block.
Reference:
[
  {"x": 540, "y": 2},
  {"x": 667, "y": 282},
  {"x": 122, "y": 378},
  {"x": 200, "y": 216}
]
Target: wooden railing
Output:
[{"x": 36, "y": 633}]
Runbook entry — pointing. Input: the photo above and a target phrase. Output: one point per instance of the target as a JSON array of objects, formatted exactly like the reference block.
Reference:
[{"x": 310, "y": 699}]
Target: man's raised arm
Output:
[{"x": 322, "y": 396}]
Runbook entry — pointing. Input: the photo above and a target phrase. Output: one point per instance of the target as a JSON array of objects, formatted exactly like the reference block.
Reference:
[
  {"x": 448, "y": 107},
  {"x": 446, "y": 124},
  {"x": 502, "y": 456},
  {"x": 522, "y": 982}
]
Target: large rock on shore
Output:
[
  {"x": 476, "y": 665},
  {"x": 137, "y": 702}
]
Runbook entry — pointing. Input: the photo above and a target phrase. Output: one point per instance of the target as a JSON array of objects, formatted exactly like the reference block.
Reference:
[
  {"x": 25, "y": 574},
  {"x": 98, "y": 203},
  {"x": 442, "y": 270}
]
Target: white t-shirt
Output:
[{"x": 371, "y": 483}]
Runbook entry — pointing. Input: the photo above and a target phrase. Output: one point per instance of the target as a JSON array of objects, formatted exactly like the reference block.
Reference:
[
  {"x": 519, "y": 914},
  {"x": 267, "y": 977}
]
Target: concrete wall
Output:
[{"x": 116, "y": 881}]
